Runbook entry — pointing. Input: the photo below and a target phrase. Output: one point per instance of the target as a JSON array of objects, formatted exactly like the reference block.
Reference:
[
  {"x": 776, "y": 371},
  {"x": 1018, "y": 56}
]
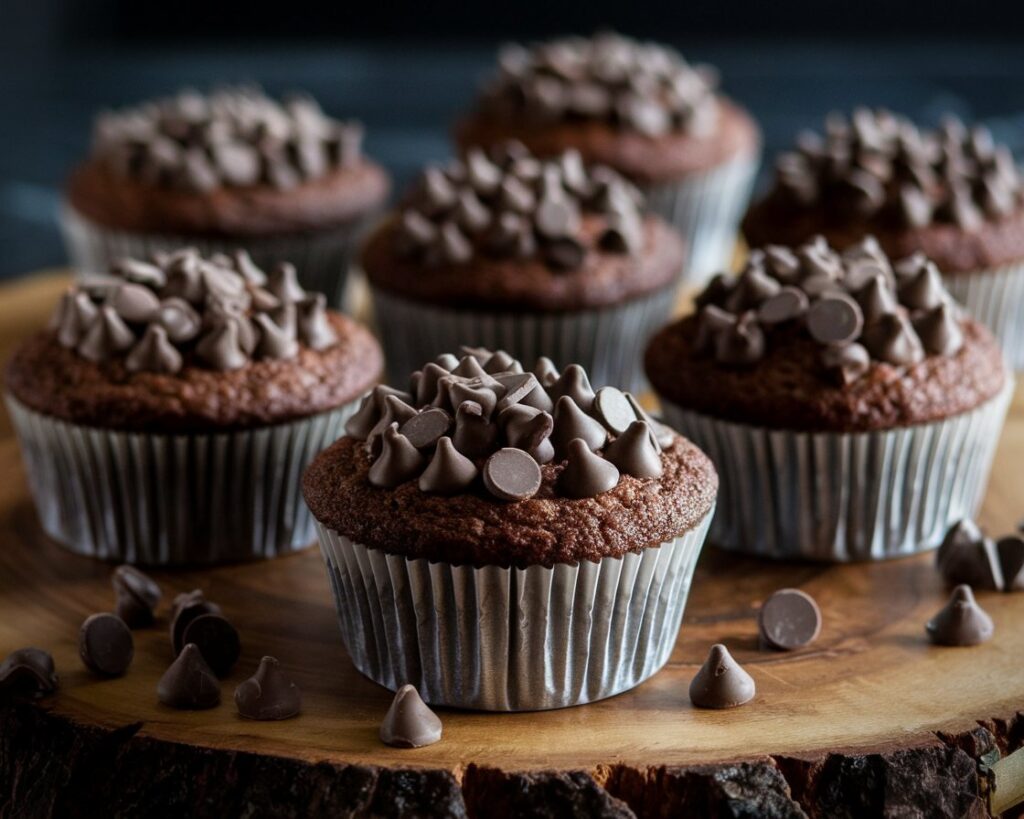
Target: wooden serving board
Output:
[{"x": 870, "y": 720}]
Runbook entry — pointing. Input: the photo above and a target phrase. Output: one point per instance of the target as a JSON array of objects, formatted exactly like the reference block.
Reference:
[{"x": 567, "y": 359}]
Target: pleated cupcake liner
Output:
[
  {"x": 995, "y": 297},
  {"x": 165, "y": 500},
  {"x": 840, "y": 497},
  {"x": 607, "y": 342},
  {"x": 512, "y": 639},
  {"x": 706, "y": 208},
  {"x": 322, "y": 259}
]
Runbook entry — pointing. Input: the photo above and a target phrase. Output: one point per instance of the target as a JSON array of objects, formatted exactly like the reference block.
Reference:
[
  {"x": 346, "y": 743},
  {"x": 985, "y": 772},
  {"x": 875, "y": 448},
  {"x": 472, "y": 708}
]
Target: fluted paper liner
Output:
[
  {"x": 163, "y": 500},
  {"x": 608, "y": 343},
  {"x": 511, "y": 639},
  {"x": 321, "y": 258},
  {"x": 706, "y": 208},
  {"x": 840, "y": 497},
  {"x": 995, "y": 298}
]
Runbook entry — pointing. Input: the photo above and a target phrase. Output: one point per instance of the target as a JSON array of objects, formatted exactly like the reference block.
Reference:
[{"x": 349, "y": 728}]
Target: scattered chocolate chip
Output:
[
  {"x": 835, "y": 319},
  {"x": 137, "y": 594},
  {"x": 28, "y": 673},
  {"x": 216, "y": 639},
  {"x": 511, "y": 475},
  {"x": 961, "y": 622},
  {"x": 721, "y": 682},
  {"x": 269, "y": 694},
  {"x": 789, "y": 619},
  {"x": 105, "y": 645},
  {"x": 409, "y": 722},
  {"x": 189, "y": 683},
  {"x": 966, "y": 556},
  {"x": 1011, "y": 561}
]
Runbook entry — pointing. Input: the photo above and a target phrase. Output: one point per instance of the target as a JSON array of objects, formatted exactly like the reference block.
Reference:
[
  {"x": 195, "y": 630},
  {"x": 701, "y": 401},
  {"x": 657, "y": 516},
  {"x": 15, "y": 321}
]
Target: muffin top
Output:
[
  {"x": 231, "y": 162},
  {"x": 506, "y": 230},
  {"x": 952, "y": 193},
  {"x": 482, "y": 463},
  {"x": 184, "y": 343},
  {"x": 813, "y": 340},
  {"x": 636, "y": 106}
]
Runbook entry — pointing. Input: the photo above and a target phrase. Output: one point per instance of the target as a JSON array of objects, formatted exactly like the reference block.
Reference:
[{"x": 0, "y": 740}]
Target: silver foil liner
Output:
[
  {"x": 164, "y": 500},
  {"x": 322, "y": 259},
  {"x": 608, "y": 342},
  {"x": 706, "y": 208},
  {"x": 995, "y": 298},
  {"x": 839, "y": 497},
  {"x": 511, "y": 639}
]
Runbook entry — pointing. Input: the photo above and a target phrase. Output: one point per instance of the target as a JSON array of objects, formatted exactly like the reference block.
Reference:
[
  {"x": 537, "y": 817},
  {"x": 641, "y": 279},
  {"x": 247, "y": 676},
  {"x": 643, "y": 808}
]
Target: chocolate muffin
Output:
[
  {"x": 550, "y": 531},
  {"x": 540, "y": 257},
  {"x": 229, "y": 170},
  {"x": 952, "y": 193},
  {"x": 641, "y": 109},
  {"x": 850, "y": 406},
  {"x": 168, "y": 411}
]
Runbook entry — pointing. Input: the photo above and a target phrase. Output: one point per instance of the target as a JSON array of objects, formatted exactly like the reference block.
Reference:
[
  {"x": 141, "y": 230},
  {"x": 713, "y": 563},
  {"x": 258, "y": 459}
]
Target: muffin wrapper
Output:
[
  {"x": 706, "y": 208},
  {"x": 839, "y": 497},
  {"x": 608, "y": 342},
  {"x": 995, "y": 297},
  {"x": 322, "y": 259},
  {"x": 162, "y": 500},
  {"x": 511, "y": 639}
]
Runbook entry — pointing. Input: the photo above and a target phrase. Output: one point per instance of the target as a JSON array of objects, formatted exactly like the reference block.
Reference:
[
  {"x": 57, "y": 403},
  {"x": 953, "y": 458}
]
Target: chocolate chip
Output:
[
  {"x": 613, "y": 409},
  {"x": 517, "y": 387},
  {"x": 399, "y": 461},
  {"x": 409, "y": 723},
  {"x": 845, "y": 363},
  {"x": 269, "y": 694},
  {"x": 217, "y": 640},
  {"x": 426, "y": 427},
  {"x": 1011, "y": 561},
  {"x": 557, "y": 218},
  {"x": 742, "y": 343},
  {"x": 511, "y": 475},
  {"x": 138, "y": 595},
  {"x": 189, "y": 683},
  {"x": 187, "y": 607},
  {"x": 893, "y": 340},
  {"x": 564, "y": 253},
  {"x": 966, "y": 556},
  {"x": 449, "y": 471},
  {"x": 961, "y": 622},
  {"x": 474, "y": 433},
  {"x": 105, "y": 645},
  {"x": 635, "y": 452},
  {"x": 789, "y": 619},
  {"x": 835, "y": 320},
  {"x": 27, "y": 673},
  {"x": 586, "y": 474},
  {"x": 134, "y": 303},
  {"x": 574, "y": 383},
  {"x": 571, "y": 423},
  {"x": 939, "y": 330},
  {"x": 529, "y": 429},
  {"x": 788, "y": 304},
  {"x": 721, "y": 682}
]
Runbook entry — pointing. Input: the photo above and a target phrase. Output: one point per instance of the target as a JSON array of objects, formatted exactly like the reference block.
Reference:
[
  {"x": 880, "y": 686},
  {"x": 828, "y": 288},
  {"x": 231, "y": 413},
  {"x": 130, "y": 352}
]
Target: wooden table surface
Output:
[{"x": 869, "y": 702}]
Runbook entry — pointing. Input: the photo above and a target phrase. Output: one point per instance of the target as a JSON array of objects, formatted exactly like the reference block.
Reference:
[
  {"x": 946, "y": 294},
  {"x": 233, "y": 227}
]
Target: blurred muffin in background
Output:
[
  {"x": 230, "y": 170},
  {"x": 640, "y": 109},
  {"x": 953, "y": 194}
]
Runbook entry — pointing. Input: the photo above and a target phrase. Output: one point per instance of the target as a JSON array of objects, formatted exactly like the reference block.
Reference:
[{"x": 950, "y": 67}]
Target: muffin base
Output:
[
  {"x": 839, "y": 497},
  {"x": 706, "y": 208},
  {"x": 995, "y": 297},
  {"x": 322, "y": 259},
  {"x": 165, "y": 500},
  {"x": 507, "y": 639},
  {"x": 608, "y": 342}
]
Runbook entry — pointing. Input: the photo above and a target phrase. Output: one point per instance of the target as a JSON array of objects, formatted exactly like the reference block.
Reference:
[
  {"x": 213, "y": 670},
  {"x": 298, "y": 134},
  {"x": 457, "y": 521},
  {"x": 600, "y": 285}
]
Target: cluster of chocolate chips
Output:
[
  {"x": 481, "y": 421},
  {"x": 236, "y": 137},
  {"x": 878, "y": 166},
  {"x": 633, "y": 85},
  {"x": 968, "y": 556},
  {"x": 510, "y": 204},
  {"x": 183, "y": 309},
  {"x": 858, "y": 306}
]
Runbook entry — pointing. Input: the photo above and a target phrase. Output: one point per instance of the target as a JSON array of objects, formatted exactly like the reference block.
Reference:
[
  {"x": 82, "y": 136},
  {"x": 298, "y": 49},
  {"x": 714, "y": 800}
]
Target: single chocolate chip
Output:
[
  {"x": 28, "y": 673},
  {"x": 269, "y": 694},
  {"x": 186, "y": 608},
  {"x": 1011, "y": 561},
  {"x": 835, "y": 319},
  {"x": 961, "y": 622},
  {"x": 511, "y": 475},
  {"x": 475, "y": 434},
  {"x": 557, "y": 217},
  {"x": 189, "y": 683},
  {"x": 789, "y": 619},
  {"x": 586, "y": 474},
  {"x": 635, "y": 452},
  {"x": 574, "y": 383},
  {"x": 138, "y": 595},
  {"x": 571, "y": 423},
  {"x": 134, "y": 303},
  {"x": 409, "y": 722},
  {"x": 217, "y": 640},
  {"x": 399, "y": 461},
  {"x": 426, "y": 427},
  {"x": 721, "y": 682},
  {"x": 939, "y": 330},
  {"x": 613, "y": 409},
  {"x": 529, "y": 429},
  {"x": 892, "y": 339},
  {"x": 845, "y": 363},
  {"x": 105, "y": 645},
  {"x": 449, "y": 471},
  {"x": 788, "y": 304}
]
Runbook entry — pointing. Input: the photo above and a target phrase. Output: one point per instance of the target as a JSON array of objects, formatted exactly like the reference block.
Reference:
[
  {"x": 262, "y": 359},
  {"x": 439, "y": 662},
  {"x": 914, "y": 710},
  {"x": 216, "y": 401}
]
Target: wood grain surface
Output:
[{"x": 871, "y": 689}]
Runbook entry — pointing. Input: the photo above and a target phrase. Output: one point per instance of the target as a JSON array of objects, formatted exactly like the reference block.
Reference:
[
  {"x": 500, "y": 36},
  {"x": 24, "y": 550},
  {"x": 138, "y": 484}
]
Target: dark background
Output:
[{"x": 406, "y": 69}]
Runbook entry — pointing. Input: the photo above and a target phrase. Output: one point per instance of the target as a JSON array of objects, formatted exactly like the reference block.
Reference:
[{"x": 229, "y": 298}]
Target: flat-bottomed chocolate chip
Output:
[
  {"x": 217, "y": 640},
  {"x": 105, "y": 645},
  {"x": 511, "y": 475},
  {"x": 189, "y": 683},
  {"x": 269, "y": 694},
  {"x": 835, "y": 319},
  {"x": 409, "y": 722},
  {"x": 789, "y": 619}
]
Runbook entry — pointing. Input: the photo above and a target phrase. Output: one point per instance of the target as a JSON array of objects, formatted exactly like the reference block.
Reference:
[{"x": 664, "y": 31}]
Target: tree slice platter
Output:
[{"x": 870, "y": 720}]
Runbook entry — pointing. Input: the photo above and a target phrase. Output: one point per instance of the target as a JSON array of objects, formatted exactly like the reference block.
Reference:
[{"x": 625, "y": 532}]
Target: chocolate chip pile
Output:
[
  {"x": 183, "y": 309},
  {"x": 236, "y": 137},
  {"x": 481, "y": 422},
  {"x": 633, "y": 85},
  {"x": 881, "y": 167},
  {"x": 858, "y": 306},
  {"x": 510, "y": 204}
]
